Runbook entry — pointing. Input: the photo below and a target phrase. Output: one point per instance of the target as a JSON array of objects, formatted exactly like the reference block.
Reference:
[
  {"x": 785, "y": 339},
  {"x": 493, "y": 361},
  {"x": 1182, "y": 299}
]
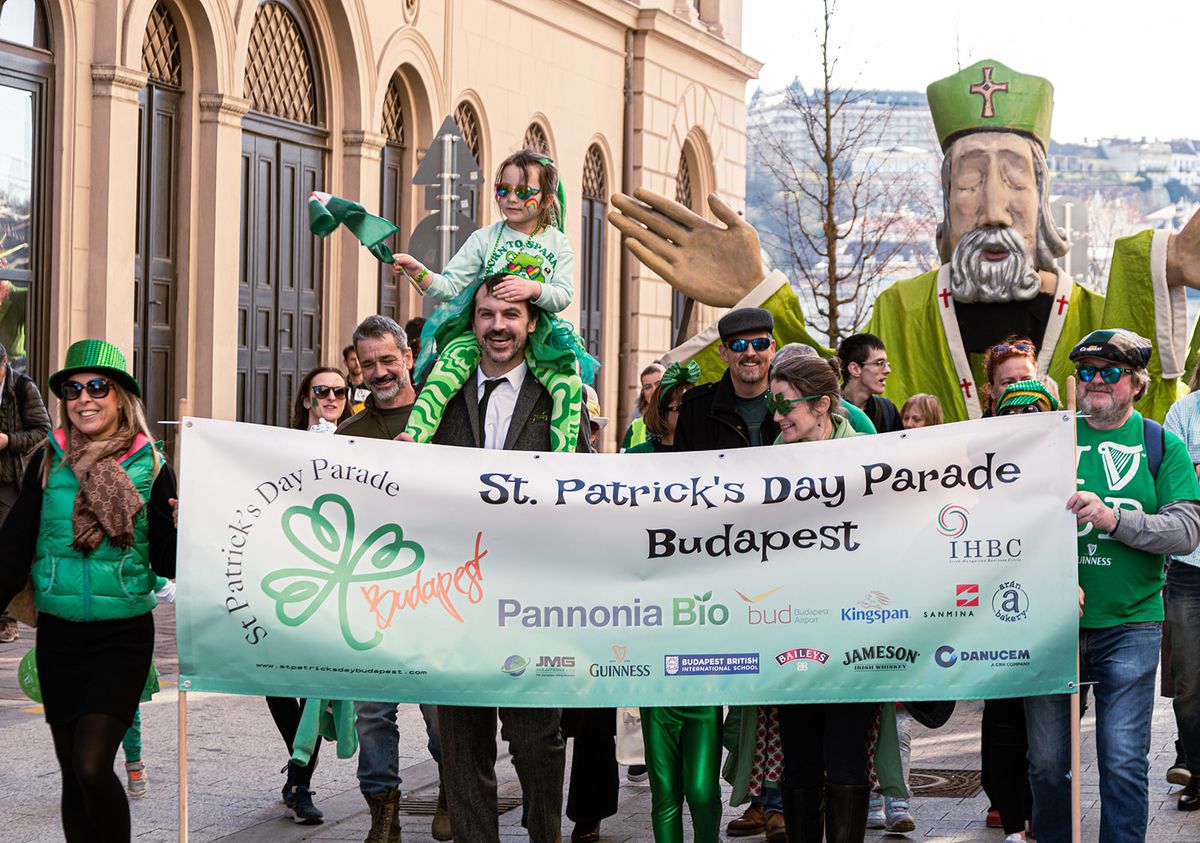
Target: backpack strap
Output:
[{"x": 1156, "y": 444}]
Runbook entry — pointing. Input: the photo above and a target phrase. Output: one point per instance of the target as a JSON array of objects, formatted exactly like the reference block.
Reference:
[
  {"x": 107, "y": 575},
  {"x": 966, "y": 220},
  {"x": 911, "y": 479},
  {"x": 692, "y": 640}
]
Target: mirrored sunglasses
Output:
[
  {"x": 96, "y": 388},
  {"x": 339, "y": 392},
  {"x": 1023, "y": 347},
  {"x": 1109, "y": 374},
  {"x": 1017, "y": 411},
  {"x": 778, "y": 404},
  {"x": 523, "y": 191},
  {"x": 758, "y": 343}
]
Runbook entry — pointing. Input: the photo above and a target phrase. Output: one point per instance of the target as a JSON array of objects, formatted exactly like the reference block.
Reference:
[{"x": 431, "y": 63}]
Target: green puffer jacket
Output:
[{"x": 110, "y": 582}]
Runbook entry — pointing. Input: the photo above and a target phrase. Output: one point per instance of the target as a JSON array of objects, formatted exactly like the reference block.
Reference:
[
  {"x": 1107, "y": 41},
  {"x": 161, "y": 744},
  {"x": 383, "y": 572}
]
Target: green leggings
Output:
[
  {"x": 683, "y": 757},
  {"x": 132, "y": 742}
]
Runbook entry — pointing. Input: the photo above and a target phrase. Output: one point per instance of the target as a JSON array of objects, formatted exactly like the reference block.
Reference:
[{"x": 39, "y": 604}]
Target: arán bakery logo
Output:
[
  {"x": 325, "y": 534},
  {"x": 1010, "y": 603},
  {"x": 952, "y": 522}
]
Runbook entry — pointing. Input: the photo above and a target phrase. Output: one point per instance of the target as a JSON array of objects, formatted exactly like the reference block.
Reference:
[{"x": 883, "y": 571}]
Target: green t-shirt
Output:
[{"x": 1120, "y": 584}]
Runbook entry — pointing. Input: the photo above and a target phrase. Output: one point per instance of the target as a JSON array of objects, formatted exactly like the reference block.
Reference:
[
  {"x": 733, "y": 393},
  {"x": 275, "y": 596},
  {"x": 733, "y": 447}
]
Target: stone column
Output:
[
  {"x": 354, "y": 285},
  {"x": 112, "y": 207},
  {"x": 214, "y": 295}
]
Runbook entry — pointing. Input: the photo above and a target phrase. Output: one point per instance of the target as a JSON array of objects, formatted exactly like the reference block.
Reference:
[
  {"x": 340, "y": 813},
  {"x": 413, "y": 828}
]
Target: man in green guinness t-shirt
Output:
[{"x": 1138, "y": 499}]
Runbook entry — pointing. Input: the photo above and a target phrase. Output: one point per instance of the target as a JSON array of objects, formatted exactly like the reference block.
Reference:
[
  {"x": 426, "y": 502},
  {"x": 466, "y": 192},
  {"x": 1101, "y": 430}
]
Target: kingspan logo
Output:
[
  {"x": 875, "y": 607},
  {"x": 947, "y": 656}
]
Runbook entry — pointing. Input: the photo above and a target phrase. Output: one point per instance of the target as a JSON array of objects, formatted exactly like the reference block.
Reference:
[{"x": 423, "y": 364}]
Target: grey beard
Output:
[
  {"x": 974, "y": 279},
  {"x": 1106, "y": 417}
]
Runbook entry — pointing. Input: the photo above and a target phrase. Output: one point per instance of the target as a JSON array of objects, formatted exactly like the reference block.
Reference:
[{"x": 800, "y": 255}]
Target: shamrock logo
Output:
[{"x": 327, "y": 529}]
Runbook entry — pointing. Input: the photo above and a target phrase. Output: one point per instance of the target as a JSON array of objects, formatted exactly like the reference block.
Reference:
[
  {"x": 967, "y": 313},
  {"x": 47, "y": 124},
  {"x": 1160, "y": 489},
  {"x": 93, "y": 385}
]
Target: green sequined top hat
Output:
[
  {"x": 95, "y": 356},
  {"x": 990, "y": 96},
  {"x": 1024, "y": 394}
]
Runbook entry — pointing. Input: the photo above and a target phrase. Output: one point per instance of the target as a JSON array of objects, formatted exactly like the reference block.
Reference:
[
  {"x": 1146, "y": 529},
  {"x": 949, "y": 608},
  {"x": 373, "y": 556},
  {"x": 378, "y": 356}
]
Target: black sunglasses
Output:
[
  {"x": 97, "y": 388},
  {"x": 321, "y": 390},
  {"x": 758, "y": 343}
]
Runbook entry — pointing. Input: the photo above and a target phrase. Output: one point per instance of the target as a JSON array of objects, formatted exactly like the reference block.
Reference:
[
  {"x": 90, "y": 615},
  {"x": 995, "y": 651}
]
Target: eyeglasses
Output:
[
  {"x": 881, "y": 363},
  {"x": 523, "y": 191},
  {"x": 758, "y": 344},
  {"x": 1023, "y": 347},
  {"x": 673, "y": 408},
  {"x": 96, "y": 388},
  {"x": 778, "y": 404},
  {"x": 1110, "y": 374},
  {"x": 1016, "y": 411},
  {"x": 321, "y": 390}
]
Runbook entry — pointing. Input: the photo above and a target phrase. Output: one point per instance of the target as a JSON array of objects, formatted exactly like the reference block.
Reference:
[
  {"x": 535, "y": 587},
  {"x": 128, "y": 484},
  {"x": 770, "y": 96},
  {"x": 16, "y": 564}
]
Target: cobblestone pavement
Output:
[{"x": 235, "y": 755}]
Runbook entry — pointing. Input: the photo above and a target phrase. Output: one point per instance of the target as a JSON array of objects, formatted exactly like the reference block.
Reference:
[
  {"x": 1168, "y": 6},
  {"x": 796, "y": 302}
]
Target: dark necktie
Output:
[{"x": 489, "y": 386}]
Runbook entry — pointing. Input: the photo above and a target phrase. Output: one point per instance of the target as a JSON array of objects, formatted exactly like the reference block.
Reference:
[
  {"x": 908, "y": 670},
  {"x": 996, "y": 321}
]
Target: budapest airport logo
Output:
[
  {"x": 952, "y": 521},
  {"x": 515, "y": 665}
]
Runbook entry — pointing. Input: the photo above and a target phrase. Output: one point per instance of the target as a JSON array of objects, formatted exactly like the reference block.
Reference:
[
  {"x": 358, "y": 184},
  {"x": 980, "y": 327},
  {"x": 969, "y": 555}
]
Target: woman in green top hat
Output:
[{"x": 92, "y": 530}]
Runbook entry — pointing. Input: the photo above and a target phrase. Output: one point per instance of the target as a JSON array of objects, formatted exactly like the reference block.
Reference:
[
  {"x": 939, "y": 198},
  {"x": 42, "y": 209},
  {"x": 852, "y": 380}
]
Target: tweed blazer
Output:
[{"x": 529, "y": 429}]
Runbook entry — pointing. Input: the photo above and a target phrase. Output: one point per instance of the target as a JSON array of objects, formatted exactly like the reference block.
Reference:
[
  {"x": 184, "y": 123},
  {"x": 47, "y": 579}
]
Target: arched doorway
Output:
[
  {"x": 393, "y": 189},
  {"x": 681, "y": 306},
  {"x": 283, "y": 161},
  {"x": 591, "y": 255},
  {"x": 467, "y": 120},
  {"x": 26, "y": 87},
  {"x": 156, "y": 261}
]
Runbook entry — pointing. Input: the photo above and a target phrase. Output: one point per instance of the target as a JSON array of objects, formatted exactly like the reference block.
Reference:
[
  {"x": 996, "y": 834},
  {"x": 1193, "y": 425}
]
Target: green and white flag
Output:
[{"x": 326, "y": 212}]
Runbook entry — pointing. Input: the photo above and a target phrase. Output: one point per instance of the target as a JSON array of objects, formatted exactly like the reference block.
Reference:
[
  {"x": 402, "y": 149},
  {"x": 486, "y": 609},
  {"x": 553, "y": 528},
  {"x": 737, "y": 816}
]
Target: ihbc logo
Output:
[{"x": 952, "y": 521}]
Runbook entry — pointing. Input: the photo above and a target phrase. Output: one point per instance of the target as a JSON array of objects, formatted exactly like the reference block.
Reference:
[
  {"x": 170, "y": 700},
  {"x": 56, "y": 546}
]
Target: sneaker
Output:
[
  {"x": 300, "y": 808},
  {"x": 637, "y": 773},
  {"x": 875, "y": 816},
  {"x": 899, "y": 820},
  {"x": 135, "y": 774},
  {"x": 8, "y": 630},
  {"x": 1015, "y": 837},
  {"x": 1179, "y": 772}
]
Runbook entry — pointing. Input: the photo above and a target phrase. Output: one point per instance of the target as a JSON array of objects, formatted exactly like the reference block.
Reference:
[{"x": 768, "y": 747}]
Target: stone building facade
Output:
[{"x": 154, "y": 178}]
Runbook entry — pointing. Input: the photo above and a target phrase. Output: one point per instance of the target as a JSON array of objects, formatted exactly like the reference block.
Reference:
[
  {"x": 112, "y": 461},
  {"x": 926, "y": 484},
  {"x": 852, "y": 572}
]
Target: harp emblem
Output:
[{"x": 1121, "y": 463}]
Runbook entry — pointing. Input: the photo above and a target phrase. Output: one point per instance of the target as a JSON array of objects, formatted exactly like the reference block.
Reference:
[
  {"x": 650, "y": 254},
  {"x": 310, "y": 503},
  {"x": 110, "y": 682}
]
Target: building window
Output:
[
  {"x": 392, "y": 190},
  {"x": 536, "y": 140},
  {"x": 468, "y": 127},
  {"x": 26, "y": 76},
  {"x": 160, "y": 48},
  {"x": 683, "y": 195},
  {"x": 591, "y": 275},
  {"x": 279, "y": 74}
]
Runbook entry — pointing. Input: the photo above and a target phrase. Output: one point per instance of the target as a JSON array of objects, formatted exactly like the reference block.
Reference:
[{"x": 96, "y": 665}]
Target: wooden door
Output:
[{"x": 155, "y": 267}]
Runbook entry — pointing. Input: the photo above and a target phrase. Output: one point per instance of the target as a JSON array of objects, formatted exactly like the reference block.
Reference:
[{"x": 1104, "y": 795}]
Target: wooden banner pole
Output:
[
  {"x": 1076, "y": 763},
  {"x": 182, "y": 736}
]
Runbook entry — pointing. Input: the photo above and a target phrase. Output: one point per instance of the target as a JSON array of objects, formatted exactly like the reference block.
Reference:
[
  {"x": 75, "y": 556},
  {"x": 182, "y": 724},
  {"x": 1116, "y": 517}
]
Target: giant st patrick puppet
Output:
[{"x": 997, "y": 244}]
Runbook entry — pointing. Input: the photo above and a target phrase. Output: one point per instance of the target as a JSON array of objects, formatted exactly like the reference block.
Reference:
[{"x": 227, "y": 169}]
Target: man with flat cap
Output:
[{"x": 731, "y": 413}]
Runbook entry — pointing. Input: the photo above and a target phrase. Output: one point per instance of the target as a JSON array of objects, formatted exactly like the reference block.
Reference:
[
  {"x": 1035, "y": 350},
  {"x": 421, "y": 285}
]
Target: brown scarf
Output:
[{"x": 107, "y": 501}]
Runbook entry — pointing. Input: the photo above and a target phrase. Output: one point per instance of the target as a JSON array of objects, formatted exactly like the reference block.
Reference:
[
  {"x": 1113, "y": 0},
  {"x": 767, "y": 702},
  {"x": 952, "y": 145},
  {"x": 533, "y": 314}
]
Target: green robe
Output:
[{"x": 913, "y": 320}]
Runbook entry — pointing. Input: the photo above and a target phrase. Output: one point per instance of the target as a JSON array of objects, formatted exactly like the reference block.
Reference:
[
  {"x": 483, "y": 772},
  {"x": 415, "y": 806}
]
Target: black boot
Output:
[
  {"x": 846, "y": 812},
  {"x": 802, "y": 814}
]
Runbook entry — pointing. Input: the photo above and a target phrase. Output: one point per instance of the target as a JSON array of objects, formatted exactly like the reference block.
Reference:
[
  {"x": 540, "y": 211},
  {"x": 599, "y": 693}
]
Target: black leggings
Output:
[
  {"x": 286, "y": 711},
  {"x": 94, "y": 807}
]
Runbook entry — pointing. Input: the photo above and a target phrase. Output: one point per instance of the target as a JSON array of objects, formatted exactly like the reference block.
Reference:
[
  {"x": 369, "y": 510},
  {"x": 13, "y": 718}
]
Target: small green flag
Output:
[{"x": 326, "y": 212}]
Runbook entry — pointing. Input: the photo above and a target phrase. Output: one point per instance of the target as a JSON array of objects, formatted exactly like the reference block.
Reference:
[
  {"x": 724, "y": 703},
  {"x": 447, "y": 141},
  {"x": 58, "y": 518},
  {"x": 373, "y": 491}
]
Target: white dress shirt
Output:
[{"x": 500, "y": 404}]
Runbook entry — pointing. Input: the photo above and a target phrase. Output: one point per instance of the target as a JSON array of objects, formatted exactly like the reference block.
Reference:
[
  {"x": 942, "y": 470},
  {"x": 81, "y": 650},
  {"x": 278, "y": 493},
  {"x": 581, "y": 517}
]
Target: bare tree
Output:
[
  {"x": 840, "y": 209},
  {"x": 1108, "y": 219}
]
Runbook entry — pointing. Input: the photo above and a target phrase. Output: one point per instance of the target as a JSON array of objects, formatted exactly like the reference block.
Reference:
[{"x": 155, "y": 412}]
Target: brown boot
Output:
[
  {"x": 440, "y": 830},
  {"x": 385, "y": 817},
  {"x": 776, "y": 828},
  {"x": 752, "y": 822}
]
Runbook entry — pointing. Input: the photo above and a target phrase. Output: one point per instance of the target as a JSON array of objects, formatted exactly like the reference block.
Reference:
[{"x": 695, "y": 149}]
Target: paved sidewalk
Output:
[{"x": 235, "y": 755}]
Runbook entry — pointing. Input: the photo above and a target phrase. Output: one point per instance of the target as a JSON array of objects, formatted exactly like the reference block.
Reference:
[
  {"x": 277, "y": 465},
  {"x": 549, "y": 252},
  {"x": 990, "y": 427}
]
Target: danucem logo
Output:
[{"x": 952, "y": 521}]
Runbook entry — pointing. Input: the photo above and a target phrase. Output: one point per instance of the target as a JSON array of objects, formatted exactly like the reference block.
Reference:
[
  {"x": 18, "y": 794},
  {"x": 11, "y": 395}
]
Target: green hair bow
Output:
[{"x": 676, "y": 374}]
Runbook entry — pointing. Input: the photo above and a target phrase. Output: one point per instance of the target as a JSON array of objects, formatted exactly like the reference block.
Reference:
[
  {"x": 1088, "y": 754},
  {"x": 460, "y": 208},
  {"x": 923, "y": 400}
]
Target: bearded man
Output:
[{"x": 997, "y": 243}]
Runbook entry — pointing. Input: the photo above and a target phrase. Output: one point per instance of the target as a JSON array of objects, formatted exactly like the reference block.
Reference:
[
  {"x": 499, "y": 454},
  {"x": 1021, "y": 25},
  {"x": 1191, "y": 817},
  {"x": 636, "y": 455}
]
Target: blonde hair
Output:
[{"x": 926, "y": 405}]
